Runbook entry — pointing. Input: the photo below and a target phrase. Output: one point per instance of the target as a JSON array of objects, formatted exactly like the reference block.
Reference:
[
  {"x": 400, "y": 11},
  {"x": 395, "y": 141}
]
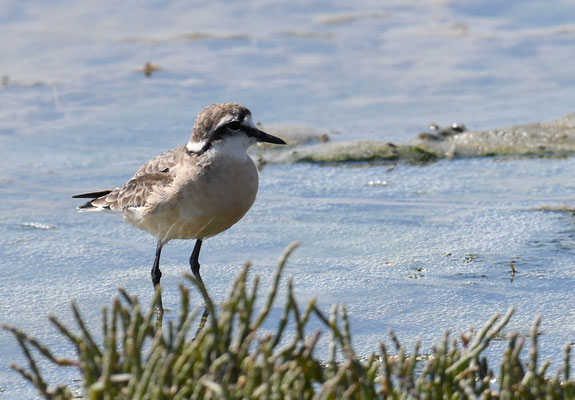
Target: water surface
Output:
[{"x": 413, "y": 249}]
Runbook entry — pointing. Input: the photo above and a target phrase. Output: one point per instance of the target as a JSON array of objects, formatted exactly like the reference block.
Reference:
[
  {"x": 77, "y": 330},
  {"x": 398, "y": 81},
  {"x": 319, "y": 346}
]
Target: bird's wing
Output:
[
  {"x": 162, "y": 163},
  {"x": 135, "y": 193},
  {"x": 154, "y": 175}
]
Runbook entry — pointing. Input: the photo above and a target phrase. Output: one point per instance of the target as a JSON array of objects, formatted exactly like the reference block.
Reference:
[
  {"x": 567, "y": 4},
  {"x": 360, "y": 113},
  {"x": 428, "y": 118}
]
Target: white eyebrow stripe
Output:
[
  {"x": 225, "y": 120},
  {"x": 249, "y": 122},
  {"x": 229, "y": 118}
]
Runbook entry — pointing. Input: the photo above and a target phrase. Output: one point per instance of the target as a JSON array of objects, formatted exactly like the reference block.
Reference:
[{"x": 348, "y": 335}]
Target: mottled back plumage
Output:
[{"x": 153, "y": 175}]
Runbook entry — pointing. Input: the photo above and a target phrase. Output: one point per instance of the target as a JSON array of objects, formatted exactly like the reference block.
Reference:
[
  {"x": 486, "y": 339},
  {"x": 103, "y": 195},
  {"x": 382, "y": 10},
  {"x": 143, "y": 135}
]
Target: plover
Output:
[{"x": 194, "y": 191}]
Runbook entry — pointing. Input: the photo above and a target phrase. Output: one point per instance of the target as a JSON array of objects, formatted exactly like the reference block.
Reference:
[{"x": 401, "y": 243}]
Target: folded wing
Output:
[{"x": 153, "y": 175}]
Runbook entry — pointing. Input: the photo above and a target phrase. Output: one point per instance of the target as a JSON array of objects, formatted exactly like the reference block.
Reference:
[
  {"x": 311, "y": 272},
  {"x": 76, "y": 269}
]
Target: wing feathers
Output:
[
  {"x": 156, "y": 174},
  {"x": 135, "y": 193}
]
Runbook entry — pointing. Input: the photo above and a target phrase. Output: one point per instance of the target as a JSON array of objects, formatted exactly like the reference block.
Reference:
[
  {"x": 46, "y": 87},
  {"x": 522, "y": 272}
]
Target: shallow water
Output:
[{"x": 413, "y": 249}]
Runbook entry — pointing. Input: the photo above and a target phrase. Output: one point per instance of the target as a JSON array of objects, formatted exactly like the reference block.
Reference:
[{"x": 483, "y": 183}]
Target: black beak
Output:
[{"x": 261, "y": 136}]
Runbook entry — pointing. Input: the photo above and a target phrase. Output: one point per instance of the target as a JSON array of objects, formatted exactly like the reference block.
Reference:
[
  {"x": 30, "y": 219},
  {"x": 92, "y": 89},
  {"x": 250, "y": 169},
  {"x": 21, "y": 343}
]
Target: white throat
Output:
[{"x": 233, "y": 146}]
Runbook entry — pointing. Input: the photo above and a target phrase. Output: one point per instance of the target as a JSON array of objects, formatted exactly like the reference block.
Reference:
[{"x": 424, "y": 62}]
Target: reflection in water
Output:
[
  {"x": 513, "y": 271},
  {"x": 160, "y": 321},
  {"x": 202, "y": 322},
  {"x": 159, "y": 309}
]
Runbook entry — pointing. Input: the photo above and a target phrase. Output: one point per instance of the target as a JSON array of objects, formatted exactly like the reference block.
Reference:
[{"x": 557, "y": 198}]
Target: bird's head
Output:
[{"x": 226, "y": 124}]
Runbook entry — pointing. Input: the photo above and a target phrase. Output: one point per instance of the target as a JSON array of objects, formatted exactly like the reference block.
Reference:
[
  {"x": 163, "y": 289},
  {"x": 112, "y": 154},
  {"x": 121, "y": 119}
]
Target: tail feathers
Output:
[
  {"x": 88, "y": 206},
  {"x": 92, "y": 195}
]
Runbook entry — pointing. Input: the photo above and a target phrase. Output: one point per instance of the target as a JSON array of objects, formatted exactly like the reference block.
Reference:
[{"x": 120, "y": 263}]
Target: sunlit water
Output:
[{"x": 413, "y": 249}]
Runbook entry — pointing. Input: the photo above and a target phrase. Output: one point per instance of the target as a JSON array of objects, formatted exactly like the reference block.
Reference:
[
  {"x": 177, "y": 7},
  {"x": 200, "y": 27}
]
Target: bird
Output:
[{"x": 194, "y": 191}]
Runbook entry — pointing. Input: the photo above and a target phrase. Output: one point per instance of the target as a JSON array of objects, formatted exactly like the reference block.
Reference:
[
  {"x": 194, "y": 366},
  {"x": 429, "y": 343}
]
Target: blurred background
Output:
[{"x": 416, "y": 249}]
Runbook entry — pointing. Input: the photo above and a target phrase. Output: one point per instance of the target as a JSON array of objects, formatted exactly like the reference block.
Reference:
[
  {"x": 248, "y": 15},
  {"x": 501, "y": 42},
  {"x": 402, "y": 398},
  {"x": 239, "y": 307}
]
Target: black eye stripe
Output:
[
  {"x": 234, "y": 125},
  {"x": 226, "y": 130}
]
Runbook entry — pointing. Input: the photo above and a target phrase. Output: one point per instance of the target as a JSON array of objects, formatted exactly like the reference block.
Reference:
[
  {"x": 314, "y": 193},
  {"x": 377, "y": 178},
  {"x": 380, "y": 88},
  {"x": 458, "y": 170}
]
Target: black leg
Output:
[
  {"x": 156, "y": 273},
  {"x": 194, "y": 260},
  {"x": 195, "y": 265}
]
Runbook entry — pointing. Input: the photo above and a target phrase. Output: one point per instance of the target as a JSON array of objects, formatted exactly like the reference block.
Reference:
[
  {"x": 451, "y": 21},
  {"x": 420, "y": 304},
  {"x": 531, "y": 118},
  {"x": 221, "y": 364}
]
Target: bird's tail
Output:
[{"x": 88, "y": 206}]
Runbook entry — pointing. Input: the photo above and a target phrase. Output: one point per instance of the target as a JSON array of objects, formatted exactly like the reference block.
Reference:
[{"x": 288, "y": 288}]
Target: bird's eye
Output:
[{"x": 234, "y": 126}]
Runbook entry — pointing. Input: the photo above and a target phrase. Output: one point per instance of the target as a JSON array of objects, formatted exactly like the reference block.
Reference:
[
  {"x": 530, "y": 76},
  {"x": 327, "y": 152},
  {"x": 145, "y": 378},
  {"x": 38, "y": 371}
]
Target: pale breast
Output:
[{"x": 200, "y": 205}]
